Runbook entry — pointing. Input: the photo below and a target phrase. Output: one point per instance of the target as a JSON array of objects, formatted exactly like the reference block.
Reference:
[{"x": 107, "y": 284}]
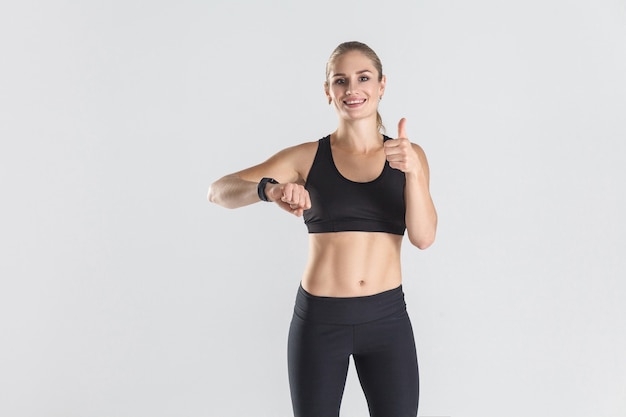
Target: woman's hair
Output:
[{"x": 350, "y": 46}]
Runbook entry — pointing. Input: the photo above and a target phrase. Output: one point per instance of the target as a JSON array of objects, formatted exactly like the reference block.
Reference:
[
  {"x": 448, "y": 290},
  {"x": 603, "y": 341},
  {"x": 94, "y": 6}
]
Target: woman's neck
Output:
[{"x": 360, "y": 136}]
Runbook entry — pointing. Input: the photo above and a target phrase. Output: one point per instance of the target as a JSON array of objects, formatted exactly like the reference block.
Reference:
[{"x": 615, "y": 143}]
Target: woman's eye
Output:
[
  {"x": 364, "y": 78},
  {"x": 340, "y": 81}
]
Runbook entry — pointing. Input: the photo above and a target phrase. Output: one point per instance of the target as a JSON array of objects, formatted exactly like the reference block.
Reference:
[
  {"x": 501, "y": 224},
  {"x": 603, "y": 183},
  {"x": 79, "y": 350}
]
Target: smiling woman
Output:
[
  {"x": 358, "y": 191},
  {"x": 372, "y": 60}
]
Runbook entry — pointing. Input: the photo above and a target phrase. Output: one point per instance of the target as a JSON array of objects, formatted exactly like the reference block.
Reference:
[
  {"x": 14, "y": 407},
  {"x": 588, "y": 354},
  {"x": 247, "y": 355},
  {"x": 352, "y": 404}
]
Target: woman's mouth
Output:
[{"x": 354, "y": 102}]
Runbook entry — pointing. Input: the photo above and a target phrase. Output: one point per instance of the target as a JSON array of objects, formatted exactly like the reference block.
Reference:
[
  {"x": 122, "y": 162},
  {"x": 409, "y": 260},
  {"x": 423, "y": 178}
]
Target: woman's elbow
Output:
[
  {"x": 211, "y": 194},
  {"x": 223, "y": 193},
  {"x": 422, "y": 242},
  {"x": 215, "y": 196}
]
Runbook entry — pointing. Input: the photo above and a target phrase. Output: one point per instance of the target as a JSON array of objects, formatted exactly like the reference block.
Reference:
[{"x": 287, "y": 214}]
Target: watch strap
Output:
[{"x": 260, "y": 189}]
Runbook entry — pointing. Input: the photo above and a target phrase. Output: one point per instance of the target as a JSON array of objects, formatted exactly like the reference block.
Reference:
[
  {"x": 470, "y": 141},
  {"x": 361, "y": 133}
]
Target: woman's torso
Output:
[{"x": 352, "y": 263}]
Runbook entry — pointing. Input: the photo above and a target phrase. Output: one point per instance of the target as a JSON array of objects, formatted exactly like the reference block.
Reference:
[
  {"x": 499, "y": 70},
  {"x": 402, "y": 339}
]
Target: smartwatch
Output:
[{"x": 260, "y": 189}]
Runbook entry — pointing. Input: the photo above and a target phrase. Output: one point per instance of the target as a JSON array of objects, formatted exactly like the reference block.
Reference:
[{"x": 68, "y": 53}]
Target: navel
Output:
[{"x": 361, "y": 283}]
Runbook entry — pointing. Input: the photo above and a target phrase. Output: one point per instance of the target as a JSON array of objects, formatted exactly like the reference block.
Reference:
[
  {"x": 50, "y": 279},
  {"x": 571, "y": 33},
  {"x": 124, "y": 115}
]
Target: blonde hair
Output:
[{"x": 350, "y": 46}]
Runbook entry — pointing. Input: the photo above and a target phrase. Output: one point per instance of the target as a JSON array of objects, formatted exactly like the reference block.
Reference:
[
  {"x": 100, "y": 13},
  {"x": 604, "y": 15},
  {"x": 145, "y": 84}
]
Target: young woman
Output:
[{"x": 358, "y": 191}]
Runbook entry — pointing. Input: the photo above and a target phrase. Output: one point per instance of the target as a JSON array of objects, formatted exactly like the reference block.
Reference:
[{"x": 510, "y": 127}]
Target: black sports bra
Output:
[{"x": 339, "y": 204}]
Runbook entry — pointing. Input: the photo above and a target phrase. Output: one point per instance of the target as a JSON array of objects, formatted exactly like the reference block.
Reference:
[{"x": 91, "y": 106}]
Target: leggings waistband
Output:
[{"x": 348, "y": 310}]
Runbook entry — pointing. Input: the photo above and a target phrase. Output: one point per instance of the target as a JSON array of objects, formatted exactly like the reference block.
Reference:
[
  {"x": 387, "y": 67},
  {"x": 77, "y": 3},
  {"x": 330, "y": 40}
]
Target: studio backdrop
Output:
[{"x": 123, "y": 292}]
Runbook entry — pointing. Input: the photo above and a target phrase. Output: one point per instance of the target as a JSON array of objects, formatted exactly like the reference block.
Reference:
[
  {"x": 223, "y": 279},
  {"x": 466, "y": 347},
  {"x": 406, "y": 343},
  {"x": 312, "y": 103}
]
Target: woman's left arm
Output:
[{"x": 421, "y": 216}]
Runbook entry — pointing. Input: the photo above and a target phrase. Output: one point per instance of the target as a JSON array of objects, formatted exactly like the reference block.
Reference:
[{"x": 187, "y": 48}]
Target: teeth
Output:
[{"x": 355, "y": 101}]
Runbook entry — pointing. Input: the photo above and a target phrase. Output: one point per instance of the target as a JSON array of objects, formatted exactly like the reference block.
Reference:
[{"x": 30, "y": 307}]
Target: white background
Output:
[{"x": 124, "y": 293}]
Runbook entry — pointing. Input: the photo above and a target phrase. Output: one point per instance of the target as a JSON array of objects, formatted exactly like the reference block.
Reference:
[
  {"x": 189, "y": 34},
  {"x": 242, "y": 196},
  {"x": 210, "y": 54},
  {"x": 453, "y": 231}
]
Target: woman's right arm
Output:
[
  {"x": 231, "y": 191},
  {"x": 240, "y": 188}
]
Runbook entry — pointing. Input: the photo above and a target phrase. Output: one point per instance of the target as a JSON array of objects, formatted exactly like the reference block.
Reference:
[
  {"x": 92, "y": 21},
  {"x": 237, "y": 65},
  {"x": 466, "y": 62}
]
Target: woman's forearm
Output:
[
  {"x": 421, "y": 216},
  {"x": 231, "y": 191}
]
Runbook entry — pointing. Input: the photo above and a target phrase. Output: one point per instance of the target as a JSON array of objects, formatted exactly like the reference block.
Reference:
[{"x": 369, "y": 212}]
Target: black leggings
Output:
[{"x": 375, "y": 330}]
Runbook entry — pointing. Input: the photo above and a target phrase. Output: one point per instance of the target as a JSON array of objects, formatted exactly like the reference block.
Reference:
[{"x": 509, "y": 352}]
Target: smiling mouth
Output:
[{"x": 354, "y": 102}]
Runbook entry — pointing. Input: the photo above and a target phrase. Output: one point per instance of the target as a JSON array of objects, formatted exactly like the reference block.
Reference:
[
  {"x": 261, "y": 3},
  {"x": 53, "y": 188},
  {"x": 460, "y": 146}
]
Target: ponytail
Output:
[{"x": 379, "y": 123}]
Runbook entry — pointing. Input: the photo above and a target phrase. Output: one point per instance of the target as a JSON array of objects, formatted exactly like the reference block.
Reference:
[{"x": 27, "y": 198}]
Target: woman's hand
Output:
[
  {"x": 291, "y": 197},
  {"x": 400, "y": 152}
]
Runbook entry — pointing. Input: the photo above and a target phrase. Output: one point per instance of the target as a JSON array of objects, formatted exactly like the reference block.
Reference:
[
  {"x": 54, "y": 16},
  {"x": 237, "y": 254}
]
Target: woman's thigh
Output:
[
  {"x": 318, "y": 359},
  {"x": 386, "y": 362}
]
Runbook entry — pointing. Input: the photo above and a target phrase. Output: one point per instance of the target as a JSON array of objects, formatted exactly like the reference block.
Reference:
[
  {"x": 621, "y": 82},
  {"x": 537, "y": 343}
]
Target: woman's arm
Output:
[
  {"x": 240, "y": 188},
  {"x": 232, "y": 191},
  {"x": 421, "y": 216}
]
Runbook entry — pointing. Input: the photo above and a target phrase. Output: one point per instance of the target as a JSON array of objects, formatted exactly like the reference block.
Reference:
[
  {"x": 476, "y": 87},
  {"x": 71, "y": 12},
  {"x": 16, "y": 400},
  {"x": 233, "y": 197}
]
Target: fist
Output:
[
  {"x": 400, "y": 152},
  {"x": 291, "y": 197}
]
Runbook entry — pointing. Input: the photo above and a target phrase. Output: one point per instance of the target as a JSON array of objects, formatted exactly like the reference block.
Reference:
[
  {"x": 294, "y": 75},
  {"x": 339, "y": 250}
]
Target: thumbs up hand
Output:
[{"x": 400, "y": 153}]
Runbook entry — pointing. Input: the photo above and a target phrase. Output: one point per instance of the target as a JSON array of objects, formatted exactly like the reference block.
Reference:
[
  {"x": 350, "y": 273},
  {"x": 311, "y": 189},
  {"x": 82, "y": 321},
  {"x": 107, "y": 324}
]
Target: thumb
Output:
[{"x": 401, "y": 128}]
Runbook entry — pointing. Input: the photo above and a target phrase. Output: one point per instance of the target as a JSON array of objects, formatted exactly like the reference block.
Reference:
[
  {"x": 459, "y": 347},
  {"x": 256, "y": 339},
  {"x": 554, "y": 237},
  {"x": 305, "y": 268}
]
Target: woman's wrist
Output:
[{"x": 260, "y": 189}]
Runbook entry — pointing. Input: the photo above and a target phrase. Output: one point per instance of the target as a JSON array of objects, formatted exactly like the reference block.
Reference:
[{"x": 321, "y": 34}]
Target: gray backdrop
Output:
[{"x": 124, "y": 293}]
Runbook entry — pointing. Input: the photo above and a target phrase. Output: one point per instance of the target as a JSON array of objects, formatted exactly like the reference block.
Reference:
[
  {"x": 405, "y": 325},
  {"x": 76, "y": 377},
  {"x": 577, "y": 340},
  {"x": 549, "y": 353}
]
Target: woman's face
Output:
[{"x": 353, "y": 86}]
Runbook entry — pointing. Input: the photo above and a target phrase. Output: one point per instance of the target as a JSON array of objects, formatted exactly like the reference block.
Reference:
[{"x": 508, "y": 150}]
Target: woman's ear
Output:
[
  {"x": 327, "y": 92},
  {"x": 383, "y": 83}
]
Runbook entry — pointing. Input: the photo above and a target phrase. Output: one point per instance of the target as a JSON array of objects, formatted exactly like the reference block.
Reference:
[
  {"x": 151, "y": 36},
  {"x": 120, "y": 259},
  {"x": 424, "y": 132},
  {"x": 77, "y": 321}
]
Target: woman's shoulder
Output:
[
  {"x": 300, "y": 150},
  {"x": 300, "y": 157}
]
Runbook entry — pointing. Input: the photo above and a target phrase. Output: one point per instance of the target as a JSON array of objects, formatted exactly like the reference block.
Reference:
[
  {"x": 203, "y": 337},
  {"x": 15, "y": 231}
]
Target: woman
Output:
[{"x": 358, "y": 191}]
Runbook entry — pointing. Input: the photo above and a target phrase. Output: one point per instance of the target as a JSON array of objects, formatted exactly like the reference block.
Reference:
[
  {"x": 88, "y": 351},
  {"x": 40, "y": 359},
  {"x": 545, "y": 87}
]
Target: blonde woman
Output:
[{"x": 358, "y": 191}]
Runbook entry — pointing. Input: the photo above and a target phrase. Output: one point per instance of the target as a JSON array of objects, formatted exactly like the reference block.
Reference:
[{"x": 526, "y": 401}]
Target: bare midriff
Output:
[{"x": 352, "y": 264}]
